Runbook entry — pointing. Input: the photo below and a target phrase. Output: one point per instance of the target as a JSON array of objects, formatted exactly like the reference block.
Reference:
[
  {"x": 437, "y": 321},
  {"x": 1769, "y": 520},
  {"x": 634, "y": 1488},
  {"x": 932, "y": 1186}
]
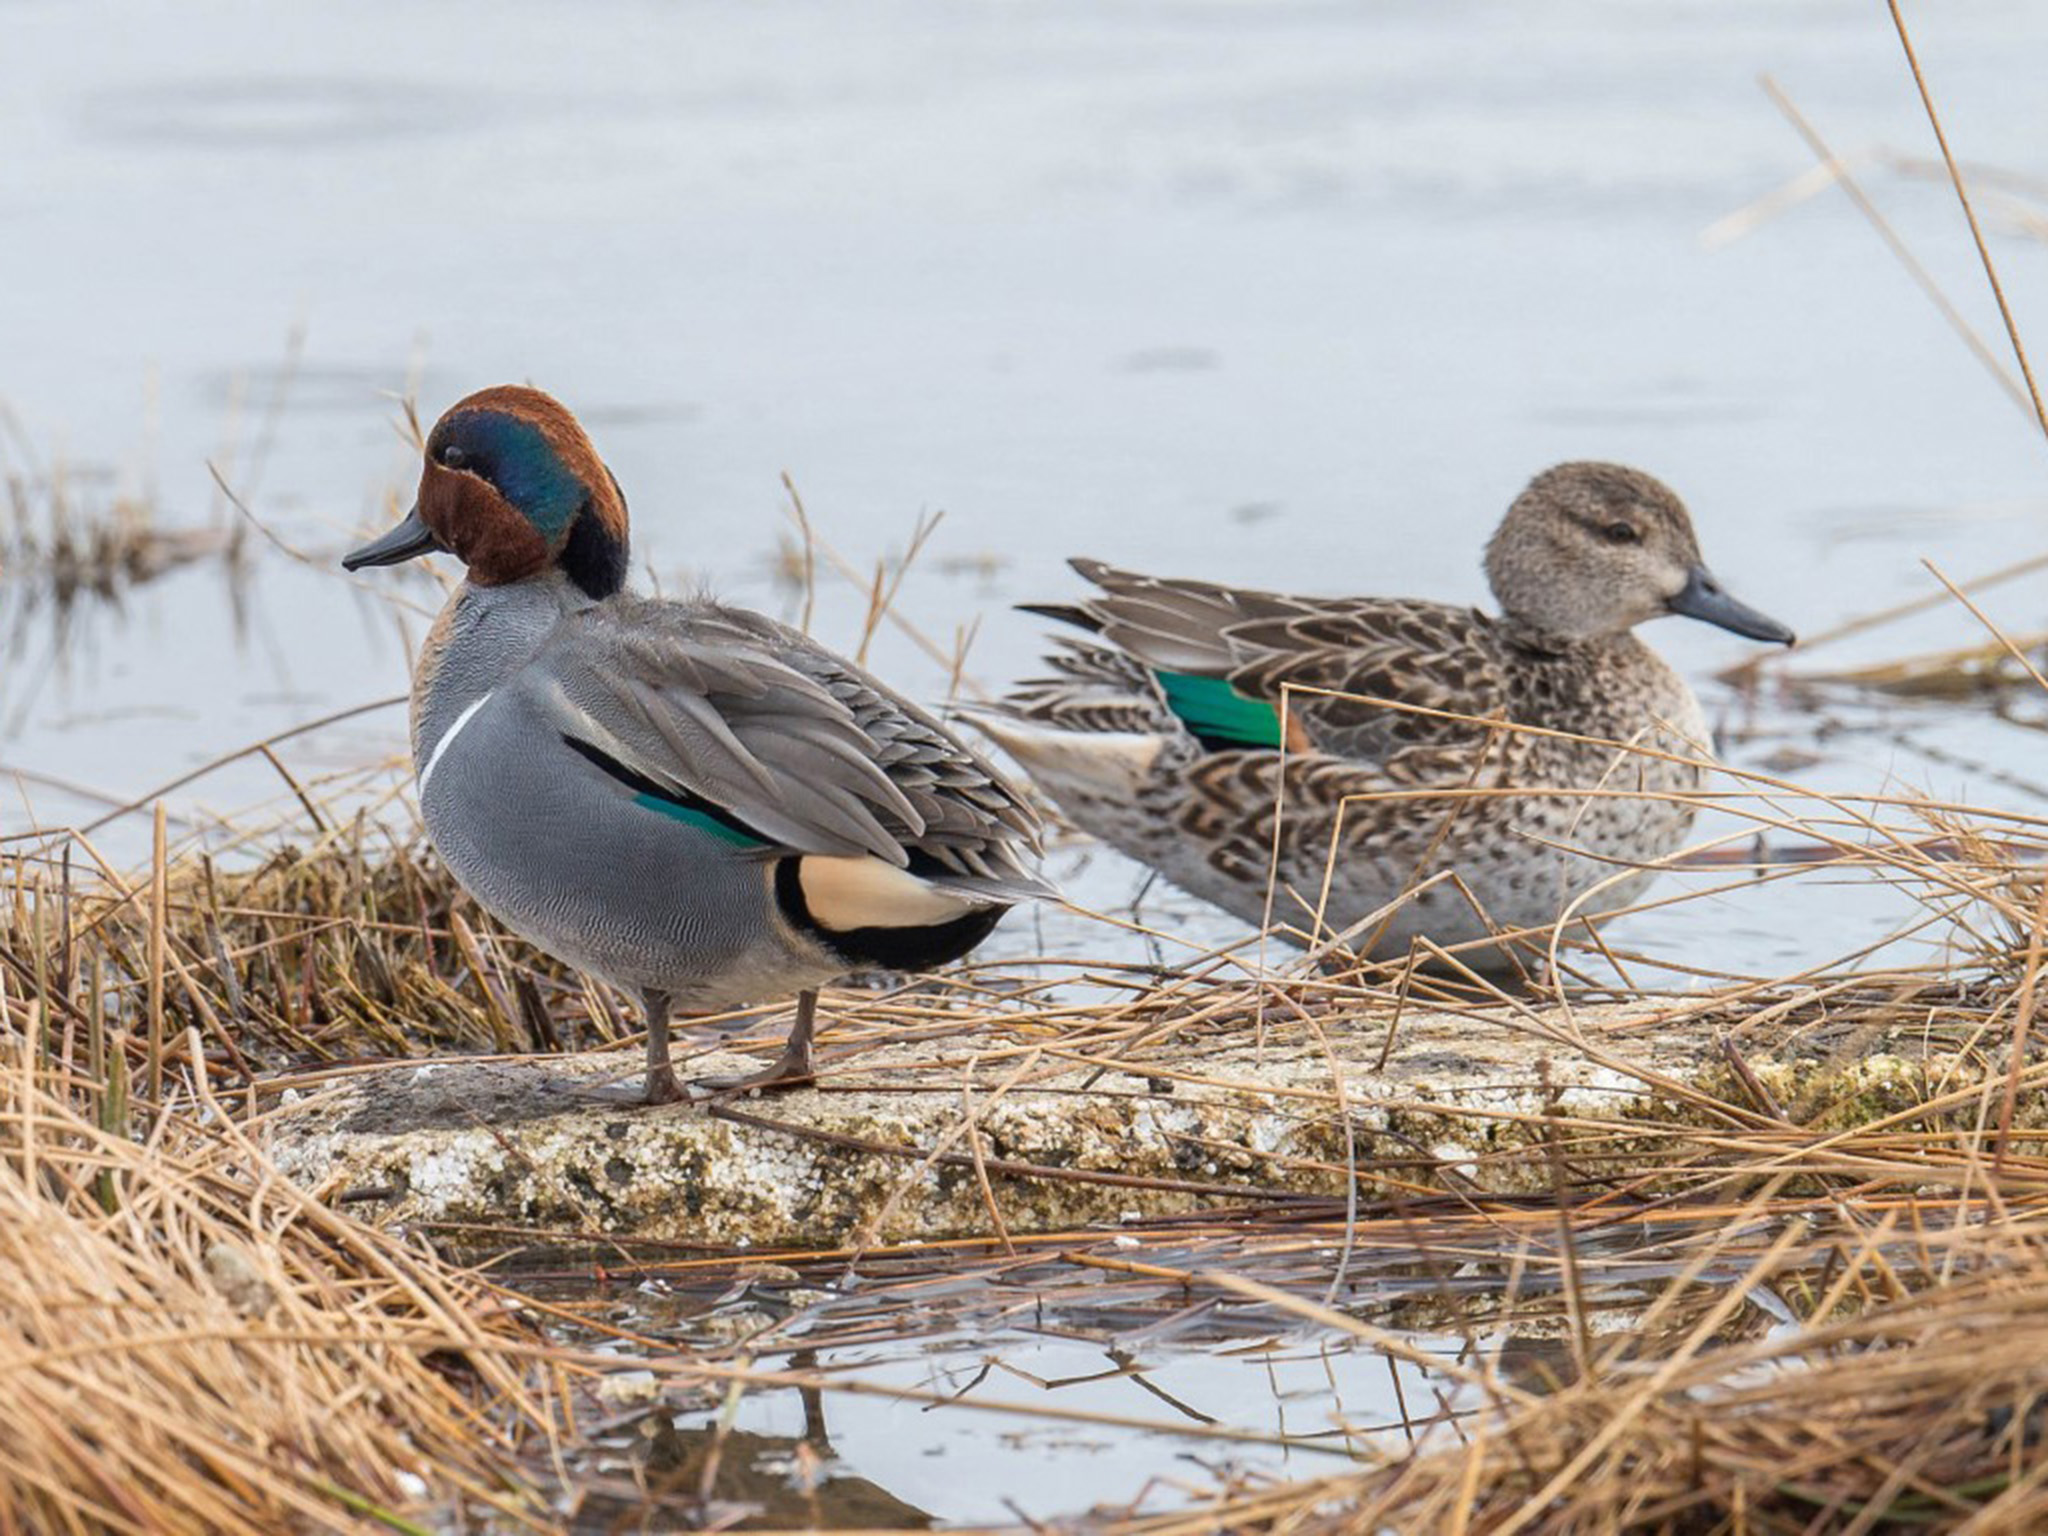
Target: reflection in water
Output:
[
  {"x": 979, "y": 1387},
  {"x": 740, "y": 1479},
  {"x": 74, "y": 544},
  {"x": 1293, "y": 295}
]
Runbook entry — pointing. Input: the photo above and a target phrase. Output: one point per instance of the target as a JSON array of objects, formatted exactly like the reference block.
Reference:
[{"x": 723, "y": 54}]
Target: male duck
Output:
[
  {"x": 688, "y": 800},
  {"x": 1166, "y": 733}
]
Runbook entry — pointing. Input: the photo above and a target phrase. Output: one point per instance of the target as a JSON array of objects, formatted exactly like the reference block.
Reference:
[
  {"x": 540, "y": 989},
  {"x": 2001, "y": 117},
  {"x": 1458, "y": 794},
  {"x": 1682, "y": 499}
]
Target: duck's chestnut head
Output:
[{"x": 512, "y": 487}]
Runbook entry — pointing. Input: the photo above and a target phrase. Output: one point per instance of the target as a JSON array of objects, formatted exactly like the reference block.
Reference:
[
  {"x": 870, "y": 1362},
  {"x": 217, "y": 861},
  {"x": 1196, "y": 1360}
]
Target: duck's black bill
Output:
[
  {"x": 407, "y": 541},
  {"x": 1703, "y": 598}
]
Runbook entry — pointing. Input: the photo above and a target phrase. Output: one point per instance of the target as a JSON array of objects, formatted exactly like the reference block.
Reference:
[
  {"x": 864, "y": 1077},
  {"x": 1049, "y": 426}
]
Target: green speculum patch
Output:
[
  {"x": 691, "y": 816},
  {"x": 1217, "y": 714}
]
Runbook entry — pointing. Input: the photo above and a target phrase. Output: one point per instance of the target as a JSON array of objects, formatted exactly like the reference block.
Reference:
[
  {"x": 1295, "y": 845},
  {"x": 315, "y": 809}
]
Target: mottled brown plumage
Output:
[{"x": 1399, "y": 742}]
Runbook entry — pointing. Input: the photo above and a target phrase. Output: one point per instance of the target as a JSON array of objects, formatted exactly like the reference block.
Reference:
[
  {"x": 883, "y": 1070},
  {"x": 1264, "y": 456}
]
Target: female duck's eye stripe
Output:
[{"x": 447, "y": 737}]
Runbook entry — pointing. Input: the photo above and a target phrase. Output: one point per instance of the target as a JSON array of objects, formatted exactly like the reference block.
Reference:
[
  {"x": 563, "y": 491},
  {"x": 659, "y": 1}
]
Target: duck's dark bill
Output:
[
  {"x": 409, "y": 539},
  {"x": 1702, "y": 597}
]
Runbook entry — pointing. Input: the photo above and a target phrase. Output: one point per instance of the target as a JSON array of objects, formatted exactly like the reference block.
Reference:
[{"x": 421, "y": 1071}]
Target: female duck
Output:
[
  {"x": 688, "y": 800},
  {"x": 1447, "y": 776}
]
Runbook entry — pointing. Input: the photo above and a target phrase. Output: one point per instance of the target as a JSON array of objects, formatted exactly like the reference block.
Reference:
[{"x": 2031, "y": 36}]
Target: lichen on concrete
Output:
[{"x": 486, "y": 1151}]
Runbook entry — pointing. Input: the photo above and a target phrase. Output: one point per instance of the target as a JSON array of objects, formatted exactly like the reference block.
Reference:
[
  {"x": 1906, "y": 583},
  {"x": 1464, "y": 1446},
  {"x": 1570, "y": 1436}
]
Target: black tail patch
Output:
[{"x": 883, "y": 949}]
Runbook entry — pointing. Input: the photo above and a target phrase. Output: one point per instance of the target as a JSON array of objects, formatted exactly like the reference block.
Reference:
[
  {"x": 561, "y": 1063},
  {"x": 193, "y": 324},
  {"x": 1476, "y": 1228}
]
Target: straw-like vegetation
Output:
[
  {"x": 189, "y": 1343},
  {"x": 1767, "y": 1303},
  {"x": 350, "y": 944},
  {"x": 1907, "y": 1395}
]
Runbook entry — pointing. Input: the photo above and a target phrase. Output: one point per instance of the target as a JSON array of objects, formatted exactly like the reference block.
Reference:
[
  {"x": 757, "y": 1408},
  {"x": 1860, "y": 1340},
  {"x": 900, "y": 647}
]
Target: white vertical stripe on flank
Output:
[{"x": 447, "y": 737}]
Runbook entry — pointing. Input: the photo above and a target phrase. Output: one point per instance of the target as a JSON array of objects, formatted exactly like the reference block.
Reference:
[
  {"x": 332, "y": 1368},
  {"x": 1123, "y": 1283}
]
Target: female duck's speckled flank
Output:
[
  {"x": 685, "y": 799},
  {"x": 1408, "y": 806}
]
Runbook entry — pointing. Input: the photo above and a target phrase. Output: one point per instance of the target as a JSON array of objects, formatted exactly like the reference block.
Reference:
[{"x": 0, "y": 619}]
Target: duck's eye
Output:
[
  {"x": 453, "y": 456},
  {"x": 1621, "y": 533}
]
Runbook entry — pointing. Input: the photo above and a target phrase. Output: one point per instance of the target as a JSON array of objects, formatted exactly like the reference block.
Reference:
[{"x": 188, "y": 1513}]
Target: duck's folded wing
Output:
[
  {"x": 1094, "y": 688},
  {"x": 1168, "y": 623},
  {"x": 1405, "y": 686},
  {"x": 788, "y": 741},
  {"x": 1409, "y": 686}
]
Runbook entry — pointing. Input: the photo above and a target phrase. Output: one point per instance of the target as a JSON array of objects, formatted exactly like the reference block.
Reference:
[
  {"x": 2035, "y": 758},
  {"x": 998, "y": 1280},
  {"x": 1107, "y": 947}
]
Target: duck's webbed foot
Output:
[
  {"x": 795, "y": 1067},
  {"x": 625, "y": 1095}
]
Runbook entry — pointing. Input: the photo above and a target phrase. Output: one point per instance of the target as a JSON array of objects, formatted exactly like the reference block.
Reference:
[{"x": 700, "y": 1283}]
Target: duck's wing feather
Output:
[
  {"x": 1404, "y": 686},
  {"x": 790, "y": 740},
  {"x": 1172, "y": 624},
  {"x": 1407, "y": 686},
  {"x": 1094, "y": 688},
  {"x": 1153, "y": 661}
]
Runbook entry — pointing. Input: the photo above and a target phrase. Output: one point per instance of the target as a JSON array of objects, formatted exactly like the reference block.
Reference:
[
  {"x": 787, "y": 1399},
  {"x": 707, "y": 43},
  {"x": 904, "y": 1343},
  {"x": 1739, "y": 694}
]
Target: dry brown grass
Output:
[
  {"x": 1849, "y": 1333},
  {"x": 1891, "y": 1406},
  {"x": 325, "y": 943},
  {"x": 69, "y": 532},
  {"x": 189, "y": 1343}
]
